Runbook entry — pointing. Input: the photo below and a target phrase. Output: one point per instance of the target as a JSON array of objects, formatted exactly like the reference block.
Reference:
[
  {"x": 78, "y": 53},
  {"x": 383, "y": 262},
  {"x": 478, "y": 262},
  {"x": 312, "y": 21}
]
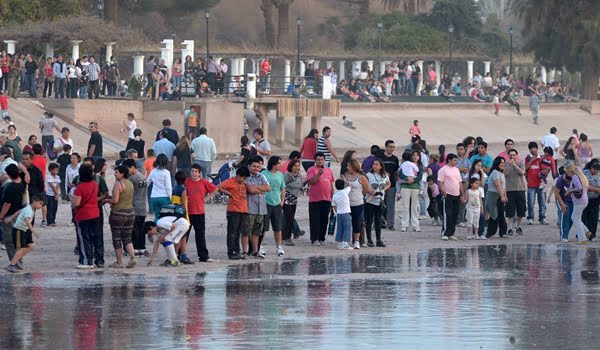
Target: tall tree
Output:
[
  {"x": 266, "y": 7},
  {"x": 111, "y": 11},
  {"x": 564, "y": 33},
  {"x": 283, "y": 22}
]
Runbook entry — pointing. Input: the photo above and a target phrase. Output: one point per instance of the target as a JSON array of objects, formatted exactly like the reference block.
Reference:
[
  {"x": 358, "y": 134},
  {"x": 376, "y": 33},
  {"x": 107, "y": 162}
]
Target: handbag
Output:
[{"x": 331, "y": 225}]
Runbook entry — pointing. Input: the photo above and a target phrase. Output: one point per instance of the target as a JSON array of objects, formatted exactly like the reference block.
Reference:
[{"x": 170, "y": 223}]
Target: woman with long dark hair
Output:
[
  {"x": 86, "y": 215},
  {"x": 160, "y": 179},
  {"x": 246, "y": 152},
  {"x": 570, "y": 152},
  {"x": 309, "y": 148},
  {"x": 182, "y": 157},
  {"x": 293, "y": 185},
  {"x": 496, "y": 199},
  {"x": 359, "y": 186},
  {"x": 379, "y": 182}
]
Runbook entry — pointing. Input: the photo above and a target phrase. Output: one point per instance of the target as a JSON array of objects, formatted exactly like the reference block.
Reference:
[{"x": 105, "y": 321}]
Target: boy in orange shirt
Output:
[{"x": 237, "y": 210}]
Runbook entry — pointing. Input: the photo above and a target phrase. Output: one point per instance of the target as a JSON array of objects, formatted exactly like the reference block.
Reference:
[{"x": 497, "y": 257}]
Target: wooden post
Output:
[
  {"x": 298, "y": 135},
  {"x": 315, "y": 123}
]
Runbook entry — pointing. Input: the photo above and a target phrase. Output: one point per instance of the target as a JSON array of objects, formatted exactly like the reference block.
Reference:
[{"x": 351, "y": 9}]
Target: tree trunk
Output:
[
  {"x": 364, "y": 7},
  {"x": 267, "y": 8},
  {"x": 283, "y": 24},
  {"x": 111, "y": 10},
  {"x": 589, "y": 81}
]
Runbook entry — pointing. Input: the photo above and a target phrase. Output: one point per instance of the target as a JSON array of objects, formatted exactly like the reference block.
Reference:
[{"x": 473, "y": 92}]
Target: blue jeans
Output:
[
  {"x": 206, "y": 167},
  {"x": 422, "y": 205},
  {"x": 177, "y": 82},
  {"x": 533, "y": 194},
  {"x": 31, "y": 85},
  {"x": 344, "y": 227},
  {"x": 411, "y": 87},
  {"x": 60, "y": 87},
  {"x": 565, "y": 221},
  {"x": 83, "y": 91},
  {"x": 403, "y": 83}
]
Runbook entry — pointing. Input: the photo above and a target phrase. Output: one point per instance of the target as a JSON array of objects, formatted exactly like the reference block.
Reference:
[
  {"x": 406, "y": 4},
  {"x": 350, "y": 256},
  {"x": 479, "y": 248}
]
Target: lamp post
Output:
[
  {"x": 207, "y": 16},
  {"x": 100, "y": 6},
  {"x": 510, "y": 32},
  {"x": 451, "y": 32},
  {"x": 298, "y": 24},
  {"x": 379, "y": 30}
]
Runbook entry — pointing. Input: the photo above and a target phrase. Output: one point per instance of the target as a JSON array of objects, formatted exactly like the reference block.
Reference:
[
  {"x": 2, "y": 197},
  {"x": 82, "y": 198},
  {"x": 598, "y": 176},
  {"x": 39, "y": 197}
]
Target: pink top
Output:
[
  {"x": 308, "y": 149},
  {"x": 415, "y": 130},
  {"x": 322, "y": 190},
  {"x": 451, "y": 178}
]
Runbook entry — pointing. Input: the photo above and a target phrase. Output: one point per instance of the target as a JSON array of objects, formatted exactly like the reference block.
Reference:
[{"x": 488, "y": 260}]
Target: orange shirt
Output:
[
  {"x": 149, "y": 165},
  {"x": 238, "y": 203}
]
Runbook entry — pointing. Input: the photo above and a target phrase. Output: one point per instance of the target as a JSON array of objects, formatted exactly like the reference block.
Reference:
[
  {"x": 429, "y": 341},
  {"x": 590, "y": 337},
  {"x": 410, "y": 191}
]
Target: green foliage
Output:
[
  {"x": 135, "y": 85},
  {"x": 462, "y": 14},
  {"x": 399, "y": 33},
  {"x": 19, "y": 11},
  {"x": 175, "y": 8}
]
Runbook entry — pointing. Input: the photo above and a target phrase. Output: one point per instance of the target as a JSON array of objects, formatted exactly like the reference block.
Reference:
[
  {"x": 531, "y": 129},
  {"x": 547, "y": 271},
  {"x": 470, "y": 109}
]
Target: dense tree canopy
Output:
[{"x": 20, "y": 11}]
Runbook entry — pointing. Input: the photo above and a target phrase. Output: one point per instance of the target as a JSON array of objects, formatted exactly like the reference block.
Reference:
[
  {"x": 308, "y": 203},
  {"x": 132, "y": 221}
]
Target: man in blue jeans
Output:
[
  {"x": 565, "y": 204},
  {"x": 30, "y": 69},
  {"x": 535, "y": 191}
]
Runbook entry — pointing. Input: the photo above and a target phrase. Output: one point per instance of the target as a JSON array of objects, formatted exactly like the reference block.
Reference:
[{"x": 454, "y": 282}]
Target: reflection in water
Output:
[{"x": 543, "y": 296}]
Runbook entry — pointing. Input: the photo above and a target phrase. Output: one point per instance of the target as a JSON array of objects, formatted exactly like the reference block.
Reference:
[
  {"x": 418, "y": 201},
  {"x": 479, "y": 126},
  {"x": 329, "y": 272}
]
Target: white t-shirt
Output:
[
  {"x": 52, "y": 180},
  {"x": 341, "y": 201},
  {"x": 551, "y": 140},
  {"x": 409, "y": 169},
  {"x": 474, "y": 199},
  {"x": 161, "y": 180},
  {"x": 132, "y": 126},
  {"x": 60, "y": 142}
]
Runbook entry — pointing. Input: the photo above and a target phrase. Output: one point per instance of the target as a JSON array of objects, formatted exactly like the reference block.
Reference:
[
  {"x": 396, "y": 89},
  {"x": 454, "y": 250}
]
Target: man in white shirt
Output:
[
  {"x": 205, "y": 152},
  {"x": 64, "y": 139},
  {"x": 551, "y": 140},
  {"x": 129, "y": 125}
]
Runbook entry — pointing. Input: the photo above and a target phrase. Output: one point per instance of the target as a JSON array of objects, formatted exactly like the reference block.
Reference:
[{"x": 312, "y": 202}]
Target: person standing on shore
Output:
[
  {"x": 205, "y": 152},
  {"x": 391, "y": 165},
  {"x": 325, "y": 147},
  {"x": 94, "y": 149},
  {"x": 450, "y": 185},
  {"x": 320, "y": 180}
]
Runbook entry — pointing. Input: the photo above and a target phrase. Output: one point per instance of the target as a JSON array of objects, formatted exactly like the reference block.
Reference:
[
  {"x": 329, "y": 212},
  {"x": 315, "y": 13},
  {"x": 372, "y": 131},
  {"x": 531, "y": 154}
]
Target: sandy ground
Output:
[{"x": 54, "y": 250}]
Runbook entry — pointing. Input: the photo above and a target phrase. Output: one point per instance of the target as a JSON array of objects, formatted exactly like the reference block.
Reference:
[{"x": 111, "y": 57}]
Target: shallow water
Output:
[{"x": 489, "y": 297}]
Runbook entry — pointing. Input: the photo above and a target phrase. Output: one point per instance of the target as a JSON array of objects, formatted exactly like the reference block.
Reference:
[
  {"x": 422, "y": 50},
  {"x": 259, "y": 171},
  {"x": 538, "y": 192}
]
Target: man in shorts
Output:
[
  {"x": 171, "y": 230},
  {"x": 256, "y": 187}
]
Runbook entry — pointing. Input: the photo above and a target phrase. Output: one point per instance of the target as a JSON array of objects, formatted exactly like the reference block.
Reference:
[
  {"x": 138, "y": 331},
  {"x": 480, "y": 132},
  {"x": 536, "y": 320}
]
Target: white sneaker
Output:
[
  {"x": 417, "y": 229},
  {"x": 444, "y": 238},
  {"x": 2, "y": 246},
  {"x": 345, "y": 246},
  {"x": 356, "y": 245},
  {"x": 403, "y": 229},
  {"x": 564, "y": 240},
  {"x": 422, "y": 217},
  {"x": 340, "y": 246},
  {"x": 544, "y": 222},
  {"x": 529, "y": 222},
  {"x": 482, "y": 237},
  {"x": 453, "y": 238},
  {"x": 279, "y": 251},
  {"x": 85, "y": 267},
  {"x": 261, "y": 250}
]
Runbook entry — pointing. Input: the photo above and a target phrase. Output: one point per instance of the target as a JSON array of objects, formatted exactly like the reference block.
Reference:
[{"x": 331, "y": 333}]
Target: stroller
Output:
[{"x": 226, "y": 171}]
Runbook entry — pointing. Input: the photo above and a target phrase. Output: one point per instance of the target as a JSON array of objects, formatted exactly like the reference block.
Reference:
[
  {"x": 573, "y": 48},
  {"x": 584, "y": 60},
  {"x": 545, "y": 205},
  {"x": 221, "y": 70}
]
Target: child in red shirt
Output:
[
  {"x": 237, "y": 210},
  {"x": 3, "y": 105}
]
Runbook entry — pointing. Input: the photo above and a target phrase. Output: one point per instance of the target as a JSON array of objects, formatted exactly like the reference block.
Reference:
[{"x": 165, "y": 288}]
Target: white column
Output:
[
  {"x": 302, "y": 68},
  {"x": 49, "y": 50},
  {"x": 109, "y": 50},
  {"x": 241, "y": 67},
  {"x": 507, "y": 69},
  {"x": 552, "y": 75},
  {"x": 170, "y": 54},
  {"x": 10, "y": 46},
  {"x": 187, "y": 50},
  {"x": 420, "y": 85},
  {"x": 251, "y": 87},
  {"x": 382, "y": 68},
  {"x": 356, "y": 65},
  {"x": 234, "y": 67},
  {"x": 342, "y": 71},
  {"x": 75, "y": 44},
  {"x": 287, "y": 71},
  {"x": 438, "y": 73},
  {"x": 370, "y": 64},
  {"x": 487, "y": 67},
  {"x": 469, "y": 71},
  {"x": 543, "y": 71},
  {"x": 138, "y": 65},
  {"x": 329, "y": 64},
  {"x": 316, "y": 64}
]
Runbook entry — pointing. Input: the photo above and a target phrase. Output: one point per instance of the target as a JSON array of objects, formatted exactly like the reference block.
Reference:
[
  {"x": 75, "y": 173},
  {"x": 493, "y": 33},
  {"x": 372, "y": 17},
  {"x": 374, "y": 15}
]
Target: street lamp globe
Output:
[
  {"x": 207, "y": 14},
  {"x": 298, "y": 21},
  {"x": 379, "y": 25},
  {"x": 450, "y": 28}
]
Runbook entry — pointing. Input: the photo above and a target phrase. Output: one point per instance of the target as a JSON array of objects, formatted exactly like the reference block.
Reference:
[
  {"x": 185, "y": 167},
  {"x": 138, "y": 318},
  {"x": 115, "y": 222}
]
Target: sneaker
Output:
[
  {"x": 529, "y": 221},
  {"x": 258, "y": 256},
  {"x": 85, "y": 267},
  {"x": 370, "y": 244},
  {"x": 3, "y": 247},
  {"x": 347, "y": 246},
  {"x": 44, "y": 223},
  {"x": 209, "y": 260},
  {"x": 544, "y": 222},
  {"x": 244, "y": 256},
  {"x": 279, "y": 251},
  {"x": 138, "y": 253},
  {"x": 288, "y": 242},
  {"x": 444, "y": 238},
  {"x": 342, "y": 246},
  {"x": 474, "y": 236},
  {"x": 235, "y": 257},
  {"x": 356, "y": 245},
  {"x": 482, "y": 237},
  {"x": 417, "y": 229},
  {"x": 422, "y": 217},
  {"x": 469, "y": 237},
  {"x": 166, "y": 263},
  {"x": 12, "y": 268},
  {"x": 186, "y": 261},
  {"x": 403, "y": 229},
  {"x": 100, "y": 265},
  {"x": 261, "y": 250},
  {"x": 519, "y": 230},
  {"x": 19, "y": 266},
  {"x": 391, "y": 228},
  {"x": 564, "y": 240},
  {"x": 509, "y": 232},
  {"x": 381, "y": 244},
  {"x": 453, "y": 238}
]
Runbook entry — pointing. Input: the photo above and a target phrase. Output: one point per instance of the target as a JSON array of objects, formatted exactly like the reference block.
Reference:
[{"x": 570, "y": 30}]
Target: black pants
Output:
[
  {"x": 435, "y": 208},
  {"x": 289, "y": 211},
  {"x": 47, "y": 87},
  {"x": 99, "y": 239},
  {"x": 112, "y": 88},
  {"x": 590, "y": 216},
  {"x": 93, "y": 89},
  {"x": 373, "y": 214},
  {"x": 52, "y": 204},
  {"x": 318, "y": 217},
  {"x": 88, "y": 242},
  {"x": 499, "y": 224},
  {"x": 306, "y": 164},
  {"x": 64, "y": 194},
  {"x": 197, "y": 222},
  {"x": 235, "y": 225},
  {"x": 139, "y": 238},
  {"x": 451, "y": 207}
]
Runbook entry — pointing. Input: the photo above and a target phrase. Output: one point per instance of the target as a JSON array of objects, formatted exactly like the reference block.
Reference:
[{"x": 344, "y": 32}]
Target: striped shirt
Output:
[
  {"x": 322, "y": 147},
  {"x": 93, "y": 70}
]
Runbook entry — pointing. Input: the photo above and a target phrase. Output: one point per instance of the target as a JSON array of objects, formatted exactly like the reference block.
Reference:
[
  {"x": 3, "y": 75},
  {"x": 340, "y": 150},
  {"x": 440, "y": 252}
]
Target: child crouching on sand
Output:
[{"x": 170, "y": 230}]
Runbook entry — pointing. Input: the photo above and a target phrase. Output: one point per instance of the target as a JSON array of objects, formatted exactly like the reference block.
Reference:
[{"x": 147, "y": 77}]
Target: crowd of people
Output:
[{"x": 169, "y": 183}]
